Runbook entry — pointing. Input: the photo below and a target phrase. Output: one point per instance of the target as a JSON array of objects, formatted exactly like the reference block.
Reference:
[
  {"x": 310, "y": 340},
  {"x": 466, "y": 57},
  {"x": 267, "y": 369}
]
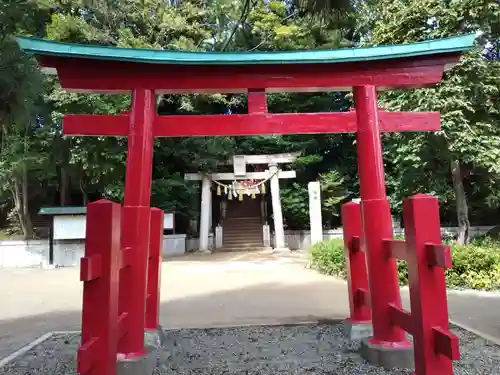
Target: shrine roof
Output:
[
  {"x": 43, "y": 47},
  {"x": 67, "y": 210}
]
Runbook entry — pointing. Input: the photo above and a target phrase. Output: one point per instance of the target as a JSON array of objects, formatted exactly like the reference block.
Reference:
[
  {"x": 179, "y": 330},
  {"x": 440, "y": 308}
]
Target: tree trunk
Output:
[
  {"x": 19, "y": 193},
  {"x": 63, "y": 197},
  {"x": 85, "y": 198},
  {"x": 461, "y": 203},
  {"x": 25, "y": 206},
  {"x": 16, "y": 197}
]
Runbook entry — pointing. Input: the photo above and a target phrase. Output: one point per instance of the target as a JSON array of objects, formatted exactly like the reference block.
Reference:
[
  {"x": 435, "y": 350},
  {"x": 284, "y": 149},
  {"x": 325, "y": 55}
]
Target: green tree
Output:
[{"x": 468, "y": 99}]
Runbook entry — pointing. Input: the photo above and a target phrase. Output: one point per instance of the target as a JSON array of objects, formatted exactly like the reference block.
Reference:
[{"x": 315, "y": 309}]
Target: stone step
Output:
[
  {"x": 239, "y": 249},
  {"x": 243, "y": 244},
  {"x": 242, "y": 219},
  {"x": 241, "y": 224},
  {"x": 241, "y": 239},
  {"x": 241, "y": 235},
  {"x": 242, "y": 231}
]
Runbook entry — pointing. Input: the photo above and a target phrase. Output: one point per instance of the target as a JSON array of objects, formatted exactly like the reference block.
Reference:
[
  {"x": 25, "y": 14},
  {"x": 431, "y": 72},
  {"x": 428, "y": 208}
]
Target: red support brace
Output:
[
  {"x": 257, "y": 101},
  {"x": 357, "y": 278},
  {"x": 154, "y": 270},
  {"x": 100, "y": 274},
  {"x": 434, "y": 345}
]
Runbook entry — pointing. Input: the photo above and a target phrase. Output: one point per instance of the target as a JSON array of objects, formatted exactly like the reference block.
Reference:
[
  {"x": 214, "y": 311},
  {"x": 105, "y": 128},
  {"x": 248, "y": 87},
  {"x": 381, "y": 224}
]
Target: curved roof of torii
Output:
[
  {"x": 51, "y": 48},
  {"x": 95, "y": 68}
]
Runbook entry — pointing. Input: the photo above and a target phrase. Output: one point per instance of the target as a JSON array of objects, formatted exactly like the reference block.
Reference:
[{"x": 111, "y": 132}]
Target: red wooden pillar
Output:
[
  {"x": 356, "y": 264},
  {"x": 435, "y": 347},
  {"x": 99, "y": 271},
  {"x": 136, "y": 223},
  {"x": 376, "y": 216},
  {"x": 154, "y": 270}
]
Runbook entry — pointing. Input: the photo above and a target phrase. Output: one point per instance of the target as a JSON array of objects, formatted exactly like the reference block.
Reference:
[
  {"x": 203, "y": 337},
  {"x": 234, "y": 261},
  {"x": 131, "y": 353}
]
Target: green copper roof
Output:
[
  {"x": 432, "y": 47},
  {"x": 63, "y": 210}
]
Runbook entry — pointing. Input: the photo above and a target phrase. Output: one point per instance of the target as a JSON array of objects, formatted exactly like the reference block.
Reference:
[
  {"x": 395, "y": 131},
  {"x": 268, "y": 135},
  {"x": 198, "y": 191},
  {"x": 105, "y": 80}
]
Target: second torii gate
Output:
[
  {"x": 147, "y": 73},
  {"x": 271, "y": 162}
]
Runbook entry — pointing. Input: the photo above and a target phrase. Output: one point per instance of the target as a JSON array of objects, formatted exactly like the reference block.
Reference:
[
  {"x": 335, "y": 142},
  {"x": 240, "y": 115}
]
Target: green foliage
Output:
[
  {"x": 328, "y": 257},
  {"x": 475, "y": 266},
  {"x": 467, "y": 98},
  {"x": 295, "y": 199},
  {"x": 331, "y": 184}
]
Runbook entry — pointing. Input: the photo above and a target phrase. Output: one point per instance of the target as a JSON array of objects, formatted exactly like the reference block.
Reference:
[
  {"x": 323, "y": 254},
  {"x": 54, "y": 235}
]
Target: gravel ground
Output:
[{"x": 290, "y": 350}]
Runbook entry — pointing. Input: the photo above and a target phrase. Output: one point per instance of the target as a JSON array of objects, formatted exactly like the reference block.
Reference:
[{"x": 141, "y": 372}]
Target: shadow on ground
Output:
[
  {"x": 270, "y": 303},
  {"x": 250, "y": 256}
]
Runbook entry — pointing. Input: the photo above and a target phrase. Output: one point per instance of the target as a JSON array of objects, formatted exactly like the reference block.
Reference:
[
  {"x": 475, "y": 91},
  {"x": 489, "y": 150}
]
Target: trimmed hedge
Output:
[{"x": 475, "y": 266}]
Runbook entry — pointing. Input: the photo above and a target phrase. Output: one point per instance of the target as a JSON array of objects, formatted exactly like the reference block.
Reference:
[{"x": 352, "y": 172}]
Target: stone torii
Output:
[{"x": 239, "y": 163}]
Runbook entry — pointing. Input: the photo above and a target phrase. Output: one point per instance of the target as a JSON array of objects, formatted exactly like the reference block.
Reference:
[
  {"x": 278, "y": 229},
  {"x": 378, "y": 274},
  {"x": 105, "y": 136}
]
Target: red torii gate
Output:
[{"x": 146, "y": 73}]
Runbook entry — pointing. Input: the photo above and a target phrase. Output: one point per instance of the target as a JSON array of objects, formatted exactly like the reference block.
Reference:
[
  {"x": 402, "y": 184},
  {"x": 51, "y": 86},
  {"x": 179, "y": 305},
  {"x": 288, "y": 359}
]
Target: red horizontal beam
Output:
[
  {"x": 84, "y": 75},
  {"x": 355, "y": 244},
  {"x": 363, "y": 297},
  {"x": 122, "y": 324},
  {"x": 401, "y": 318},
  {"x": 90, "y": 267},
  {"x": 87, "y": 355},
  {"x": 446, "y": 343},
  {"x": 439, "y": 255},
  {"x": 96, "y": 125},
  {"x": 250, "y": 124},
  {"x": 396, "y": 249}
]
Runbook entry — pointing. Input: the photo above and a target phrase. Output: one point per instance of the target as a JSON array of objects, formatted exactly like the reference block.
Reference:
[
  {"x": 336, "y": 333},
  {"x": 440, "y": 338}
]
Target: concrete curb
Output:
[
  {"x": 467, "y": 292},
  {"x": 472, "y": 292},
  {"x": 5, "y": 361},
  {"x": 269, "y": 324},
  {"x": 485, "y": 336}
]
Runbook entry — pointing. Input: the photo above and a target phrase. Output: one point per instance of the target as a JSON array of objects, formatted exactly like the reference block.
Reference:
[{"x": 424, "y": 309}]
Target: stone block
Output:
[
  {"x": 357, "y": 331},
  {"x": 154, "y": 338},
  {"x": 400, "y": 356},
  {"x": 143, "y": 365}
]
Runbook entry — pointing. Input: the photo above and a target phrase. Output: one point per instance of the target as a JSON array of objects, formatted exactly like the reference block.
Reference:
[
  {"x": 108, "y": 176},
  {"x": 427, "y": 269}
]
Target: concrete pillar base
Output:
[
  {"x": 399, "y": 355},
  {"x": 280, "y": 250},
  {"x": 154, "y": 337},
  {"x": 144, "y": 365},
  {"x": 46, "y": 266},
  {"x": 204, "y": 252},
  {"x": 356, "y": 331}
]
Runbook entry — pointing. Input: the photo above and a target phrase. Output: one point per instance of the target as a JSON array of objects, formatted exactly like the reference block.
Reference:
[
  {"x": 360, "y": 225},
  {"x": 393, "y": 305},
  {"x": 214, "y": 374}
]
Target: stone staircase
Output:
[
  {"x": 242, "y": 227},
  {"x": 242, "y": 234}
]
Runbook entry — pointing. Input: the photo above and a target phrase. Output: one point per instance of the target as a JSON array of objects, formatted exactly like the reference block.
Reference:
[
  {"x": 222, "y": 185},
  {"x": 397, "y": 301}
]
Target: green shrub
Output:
[
  {"x": 475, "y": 266},
  {"x": 328, "y": 257}
]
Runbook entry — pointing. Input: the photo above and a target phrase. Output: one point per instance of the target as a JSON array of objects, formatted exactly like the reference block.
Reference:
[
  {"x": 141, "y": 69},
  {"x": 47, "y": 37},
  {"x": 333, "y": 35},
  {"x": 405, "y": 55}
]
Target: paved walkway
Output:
[{"x": 201, "y": 291}]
